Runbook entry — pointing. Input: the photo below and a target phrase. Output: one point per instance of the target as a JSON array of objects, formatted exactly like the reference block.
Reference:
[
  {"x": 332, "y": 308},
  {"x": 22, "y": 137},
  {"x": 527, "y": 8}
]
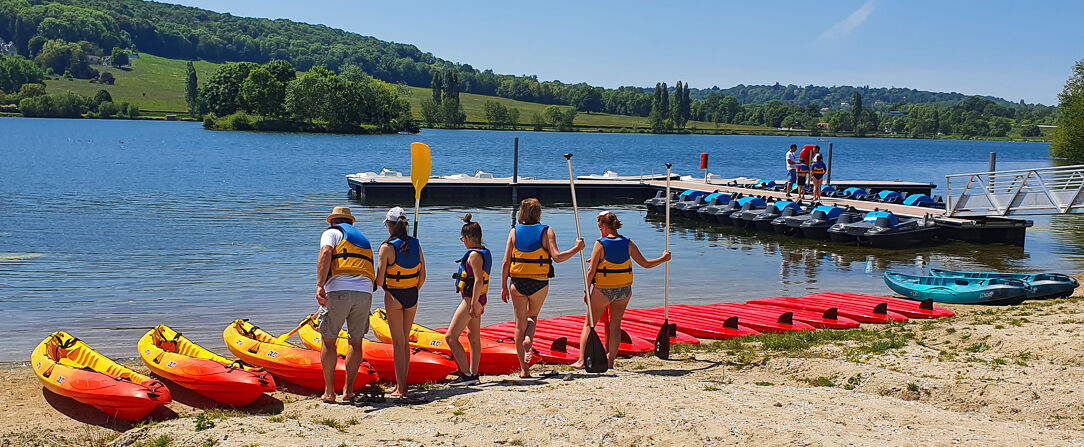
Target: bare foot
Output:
[
  {"x": 328, "y": 398},
  {"x": 348, "y": 397},
  {"x": 524, "y": 375},
  {"x": 577, "y": 365}
]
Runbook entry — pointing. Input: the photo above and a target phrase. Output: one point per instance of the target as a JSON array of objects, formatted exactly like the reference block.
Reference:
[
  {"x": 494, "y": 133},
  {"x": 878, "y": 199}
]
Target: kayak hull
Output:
[
  {"x": 958, "y": 290},
  {"x": 906, "y": 307},
  {"x": 702, "y": 328},
  {"x": 173, "y": 357},
  {"x": 1043, "y": 285},
  {"x": 296, "y": 365},
  {"x": 424, "y": 367},
  {"x": 60, "y": 363}
]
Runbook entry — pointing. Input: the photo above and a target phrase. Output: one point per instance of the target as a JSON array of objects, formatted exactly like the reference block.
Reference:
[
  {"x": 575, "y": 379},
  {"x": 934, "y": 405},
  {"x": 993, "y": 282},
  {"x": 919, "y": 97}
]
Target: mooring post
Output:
[
  {"x": 828, "y": 181},
  {"x": 515, "y": 179},
  {"x": 993, "y": 167}
]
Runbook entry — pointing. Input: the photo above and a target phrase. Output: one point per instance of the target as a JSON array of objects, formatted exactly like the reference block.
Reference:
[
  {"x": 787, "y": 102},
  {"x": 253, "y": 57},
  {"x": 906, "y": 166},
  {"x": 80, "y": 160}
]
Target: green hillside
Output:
[
  {"x": 153, "y": 83},
  {"x": 156, "y": 85}
]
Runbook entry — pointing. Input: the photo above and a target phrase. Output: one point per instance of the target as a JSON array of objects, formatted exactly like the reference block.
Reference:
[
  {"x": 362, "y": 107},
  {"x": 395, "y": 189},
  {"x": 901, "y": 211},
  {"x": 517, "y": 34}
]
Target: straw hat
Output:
[{"x": 340, "y": 212}]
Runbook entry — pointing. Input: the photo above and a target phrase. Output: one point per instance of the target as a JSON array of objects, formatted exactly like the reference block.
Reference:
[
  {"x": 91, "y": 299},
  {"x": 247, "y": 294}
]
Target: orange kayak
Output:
[
  {"x": 285, "y": 361},
  {"x": 68, "y": 367},
  {"x": 170, "y": 355},
  {"x": 425, "y": 366},
  {"x": 498, "y": 357}
]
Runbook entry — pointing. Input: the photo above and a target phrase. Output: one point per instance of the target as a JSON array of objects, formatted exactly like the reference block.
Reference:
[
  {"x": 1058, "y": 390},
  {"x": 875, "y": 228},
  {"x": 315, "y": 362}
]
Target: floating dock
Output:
[
  {"x": 485, "y": 190},
  {"x": 503, "y": 190}
]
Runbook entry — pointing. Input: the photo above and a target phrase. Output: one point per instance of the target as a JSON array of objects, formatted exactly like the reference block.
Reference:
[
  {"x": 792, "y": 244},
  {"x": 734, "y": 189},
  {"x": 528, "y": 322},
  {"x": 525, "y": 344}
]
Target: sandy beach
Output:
[{"x": 989, "y": 376}]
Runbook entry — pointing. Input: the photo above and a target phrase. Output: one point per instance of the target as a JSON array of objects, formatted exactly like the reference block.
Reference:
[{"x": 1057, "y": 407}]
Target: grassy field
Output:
[
  {"x": 156, "y": 85},
  {"x": 153, "y": 83}
]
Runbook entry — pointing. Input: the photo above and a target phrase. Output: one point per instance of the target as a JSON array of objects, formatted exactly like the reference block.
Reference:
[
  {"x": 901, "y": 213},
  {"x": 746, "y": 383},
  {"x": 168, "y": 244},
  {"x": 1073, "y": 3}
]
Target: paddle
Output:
[
  {"x": 421, "y": 166},
  {"x": 662, "y": 341},
  {"x": 594, "y": 353},
  {"x": 282, "y": 338}
]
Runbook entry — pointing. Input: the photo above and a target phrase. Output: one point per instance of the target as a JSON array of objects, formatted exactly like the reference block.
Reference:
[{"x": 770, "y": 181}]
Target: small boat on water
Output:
[
  {"x": 957, "y": 290},
  {"x": 692, "y": 210},
  {"x": 657, "y": 204},
  {"x": 883, "y": 229},
  {"x": 815, "y": 224},
  {"x": 723, "y": 215},
  {"x": 837, "y": 231},
  {"x": 766, "y": 220},
  {"x": 704, "y": 213},
  {"x": 743, "y": 218},
  {"x": 1043, "y": 285},
  {"x": 687, "y": 198}
]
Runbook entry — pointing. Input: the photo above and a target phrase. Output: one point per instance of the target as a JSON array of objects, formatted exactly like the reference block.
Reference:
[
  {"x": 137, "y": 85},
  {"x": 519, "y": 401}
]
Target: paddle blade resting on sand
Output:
[
  {"x": 594, "y": 353},
  {"x": 662, "y": 341},
  {"x": 421, "y": 166}
]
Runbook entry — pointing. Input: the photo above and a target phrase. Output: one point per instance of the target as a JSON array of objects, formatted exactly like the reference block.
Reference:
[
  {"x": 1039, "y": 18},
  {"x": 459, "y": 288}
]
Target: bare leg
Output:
[
  {"x": 598, "y": 307},
  {"x": 329, "y": 360},
  {"x": 474, "y": 334},
  {"x": 399, "y": 325},
  {"x": 455, "y": 330},
  {"x": 519, "y": 305},
  {"x": 353, "y": 362},
  {"x": 613, "y": 329},
  {"x": 534, "y": 307}
]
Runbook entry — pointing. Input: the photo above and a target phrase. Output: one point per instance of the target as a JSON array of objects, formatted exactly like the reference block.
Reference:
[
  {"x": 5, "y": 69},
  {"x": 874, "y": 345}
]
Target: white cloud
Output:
[{"x": 845, "y": 26}]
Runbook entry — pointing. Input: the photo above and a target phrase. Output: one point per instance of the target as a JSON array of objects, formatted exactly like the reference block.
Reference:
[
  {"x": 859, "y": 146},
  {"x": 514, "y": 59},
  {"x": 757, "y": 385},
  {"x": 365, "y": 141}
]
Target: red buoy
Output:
[{"x": 703, "y": 160}]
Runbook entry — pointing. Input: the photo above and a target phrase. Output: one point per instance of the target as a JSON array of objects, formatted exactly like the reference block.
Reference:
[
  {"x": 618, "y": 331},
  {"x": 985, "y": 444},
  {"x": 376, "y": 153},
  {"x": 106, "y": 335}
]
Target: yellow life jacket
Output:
[
  {"x": 615, "y": 269},
  {"x": 405, "y": 272},
  {"x": 529, "y": 257},
  {"x": 818, "y": 168},
  {"x": 464, "y": 282},
  {"x": 353, "y": 255}
]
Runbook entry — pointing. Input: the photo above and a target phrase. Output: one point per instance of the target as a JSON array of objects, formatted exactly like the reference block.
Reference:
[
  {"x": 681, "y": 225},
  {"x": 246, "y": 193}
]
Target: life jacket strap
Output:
[
  {"x": 351, "y": 255},
  {"x": 604, "y": 270},
  {"x": 399, "y": 276},
  {"x": 532, "y": 260}
]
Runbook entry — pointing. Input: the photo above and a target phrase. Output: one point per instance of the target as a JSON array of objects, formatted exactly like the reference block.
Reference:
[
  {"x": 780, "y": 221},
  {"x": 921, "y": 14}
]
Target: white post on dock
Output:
[{"x": 993, "y": 167}]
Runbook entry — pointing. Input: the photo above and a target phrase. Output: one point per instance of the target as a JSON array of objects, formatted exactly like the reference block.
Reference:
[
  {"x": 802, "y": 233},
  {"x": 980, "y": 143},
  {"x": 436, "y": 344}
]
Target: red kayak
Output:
[
  {"x": 747, "y": 315},
  {"x": 552, "y": 351},
  {"x": 908, "y": 308},
  {"x": 629, "y": 342},
  {"x": 696, "y": 327},
  {"x": 863, "y": 313},
  {"x": 828, "y": 319},
  {"x": 646, "y": 331},
  {"x": 551, "y": 331}
]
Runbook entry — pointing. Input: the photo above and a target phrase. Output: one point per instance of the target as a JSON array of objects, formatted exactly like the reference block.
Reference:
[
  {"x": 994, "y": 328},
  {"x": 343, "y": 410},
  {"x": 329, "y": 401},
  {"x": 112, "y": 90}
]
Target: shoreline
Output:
[
  {"x": 990, "y": 375},
  {"x": 586, "y": 129}
]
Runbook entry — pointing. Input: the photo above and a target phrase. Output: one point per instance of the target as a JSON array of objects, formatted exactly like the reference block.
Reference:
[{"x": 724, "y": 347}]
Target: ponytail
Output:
[{"x": 399, "y": 231}]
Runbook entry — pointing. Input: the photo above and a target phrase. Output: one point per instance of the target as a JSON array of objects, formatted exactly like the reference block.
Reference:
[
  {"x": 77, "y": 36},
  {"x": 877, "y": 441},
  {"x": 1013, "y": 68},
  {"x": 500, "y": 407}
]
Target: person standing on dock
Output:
[
  {"x": 817, "y": 170},
  {"x": 792, "y": 160},
  {"x": 528, "y": 261},
  {"x": 801, "y": 174},
  {"x": 344, "y": 284},
  {"x": 401, "y": 274},
  {"x": 611, "y": 277},
  {"x": 472, "y": 283}
]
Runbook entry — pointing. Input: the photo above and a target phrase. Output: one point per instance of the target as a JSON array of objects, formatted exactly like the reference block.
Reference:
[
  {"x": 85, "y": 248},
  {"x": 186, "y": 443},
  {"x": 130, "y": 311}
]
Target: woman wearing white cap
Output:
[
  {"x": 611, "y": 275},
  {"x": 401, "y": 273}
]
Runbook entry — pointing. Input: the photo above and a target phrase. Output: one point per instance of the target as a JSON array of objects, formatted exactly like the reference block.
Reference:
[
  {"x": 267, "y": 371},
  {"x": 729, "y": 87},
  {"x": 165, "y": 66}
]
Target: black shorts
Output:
[
  {"x": 406, "y": 297},
  {"x": 528, "y": 286}
]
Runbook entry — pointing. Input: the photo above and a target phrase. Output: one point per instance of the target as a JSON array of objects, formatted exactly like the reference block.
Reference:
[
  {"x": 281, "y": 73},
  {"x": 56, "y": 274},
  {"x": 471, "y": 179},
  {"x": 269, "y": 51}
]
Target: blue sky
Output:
[{"x": 1016, "y": 50}]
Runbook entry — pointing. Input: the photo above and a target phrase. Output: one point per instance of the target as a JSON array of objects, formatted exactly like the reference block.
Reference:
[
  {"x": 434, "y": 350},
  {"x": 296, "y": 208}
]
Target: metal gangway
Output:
[{"x": 1022, "y": 192}]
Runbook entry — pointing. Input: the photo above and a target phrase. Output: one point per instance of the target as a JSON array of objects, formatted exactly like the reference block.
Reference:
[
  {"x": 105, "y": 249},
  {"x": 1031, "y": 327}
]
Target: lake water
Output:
[{"x": 110, "y": 227}]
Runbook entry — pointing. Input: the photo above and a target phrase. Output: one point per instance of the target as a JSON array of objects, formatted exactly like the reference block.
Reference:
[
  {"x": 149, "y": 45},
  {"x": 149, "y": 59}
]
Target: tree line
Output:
[
  {"x": 271, "y": 96},
  {"x": 1068, "y": 139}
]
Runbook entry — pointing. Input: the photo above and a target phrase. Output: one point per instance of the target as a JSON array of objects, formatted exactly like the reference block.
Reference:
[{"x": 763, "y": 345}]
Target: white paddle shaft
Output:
[
  {"x": 579, "y": 235},
  {"x": 666, "y": 268},
  {"x": 417, "y": 207}
]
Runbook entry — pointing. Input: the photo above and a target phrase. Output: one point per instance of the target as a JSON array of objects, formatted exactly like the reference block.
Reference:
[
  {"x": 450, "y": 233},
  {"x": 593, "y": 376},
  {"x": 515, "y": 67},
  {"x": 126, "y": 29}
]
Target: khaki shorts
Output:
[{"x": 350, "y": 307}]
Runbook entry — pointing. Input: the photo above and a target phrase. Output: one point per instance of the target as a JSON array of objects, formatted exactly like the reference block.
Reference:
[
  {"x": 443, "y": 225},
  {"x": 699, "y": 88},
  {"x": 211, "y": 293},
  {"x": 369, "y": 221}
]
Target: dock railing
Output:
[{"x": 1054, "y": 190}]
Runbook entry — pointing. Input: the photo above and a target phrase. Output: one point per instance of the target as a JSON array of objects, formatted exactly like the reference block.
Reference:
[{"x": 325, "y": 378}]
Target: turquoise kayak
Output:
[
  {"x": 1043, "y": 285},
  {"x": 956, "y": 290}
]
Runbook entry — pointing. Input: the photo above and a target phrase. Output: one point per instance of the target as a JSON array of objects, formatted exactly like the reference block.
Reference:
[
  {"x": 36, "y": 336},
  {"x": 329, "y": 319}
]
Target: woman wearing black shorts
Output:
[
  {"x": 401, "y": 273},
  {"x": 528, "y": 262}
]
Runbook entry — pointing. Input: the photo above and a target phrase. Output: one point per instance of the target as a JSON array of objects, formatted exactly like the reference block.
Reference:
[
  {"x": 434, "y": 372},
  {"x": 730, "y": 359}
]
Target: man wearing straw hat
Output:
[{"x": 344, "y": 286}]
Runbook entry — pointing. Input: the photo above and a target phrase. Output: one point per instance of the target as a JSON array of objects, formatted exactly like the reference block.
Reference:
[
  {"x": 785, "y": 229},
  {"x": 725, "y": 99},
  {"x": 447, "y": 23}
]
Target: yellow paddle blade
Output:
[{"x": 421, "y": 166}]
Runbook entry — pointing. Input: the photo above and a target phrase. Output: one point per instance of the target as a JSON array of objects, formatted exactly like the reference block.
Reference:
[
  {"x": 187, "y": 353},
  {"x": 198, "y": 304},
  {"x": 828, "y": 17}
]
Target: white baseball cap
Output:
[
  {"x": 603, "y": 213},
  {"x": 395, "y": 214}
]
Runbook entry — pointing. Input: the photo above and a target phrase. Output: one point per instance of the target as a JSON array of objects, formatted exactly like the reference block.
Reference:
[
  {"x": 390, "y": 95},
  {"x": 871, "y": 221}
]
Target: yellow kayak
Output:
[{"x": 498, "y": 357}]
